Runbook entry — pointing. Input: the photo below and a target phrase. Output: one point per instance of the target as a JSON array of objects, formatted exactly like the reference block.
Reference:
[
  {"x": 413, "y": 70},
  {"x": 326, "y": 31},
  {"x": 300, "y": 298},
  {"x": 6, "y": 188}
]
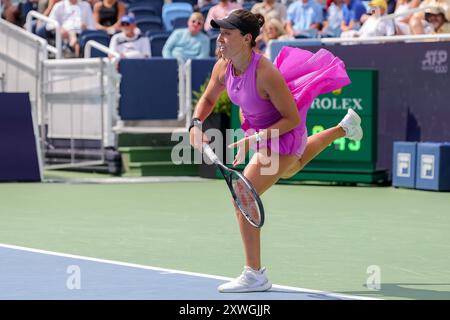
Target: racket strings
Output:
[{"x": 247, "y": 200}]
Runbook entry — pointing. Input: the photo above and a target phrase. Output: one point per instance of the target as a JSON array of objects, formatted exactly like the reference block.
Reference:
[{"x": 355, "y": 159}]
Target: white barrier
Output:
[
  {"x": 188, "y": 97},
  {"x": 81, "y": 99},
  {"x": 58, "y": 39},
  {"x": 384, "y": 39},
  {"x": 94, "y": 44},
  {"x": 21, "y": 54}
]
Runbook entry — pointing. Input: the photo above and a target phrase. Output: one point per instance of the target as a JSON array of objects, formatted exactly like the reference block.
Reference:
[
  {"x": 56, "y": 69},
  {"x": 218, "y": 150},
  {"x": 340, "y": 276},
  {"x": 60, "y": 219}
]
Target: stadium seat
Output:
[
  {"x": 171, "y": 11},
  {"x": 157, "y": 42},
  {"x": 205, "y": 9},
  {"x": 146, "y": 24},
  {"x": 192, "y": 2},
  {"x": 155, "y": 4},
  {"x": 180, "y": 22},
  {"x": 96, "y": 35},
  {"x": 212, "y": 46},
  {"x": 150, "y": 33},
  {"x": 142, "y": 10},
  {"x": 248, "y": 5}
]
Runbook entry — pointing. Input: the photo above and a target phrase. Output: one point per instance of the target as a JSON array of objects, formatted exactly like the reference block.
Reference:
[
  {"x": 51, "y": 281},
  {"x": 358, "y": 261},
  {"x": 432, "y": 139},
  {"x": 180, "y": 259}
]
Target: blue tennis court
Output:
[{"x": 36, "y": 274}]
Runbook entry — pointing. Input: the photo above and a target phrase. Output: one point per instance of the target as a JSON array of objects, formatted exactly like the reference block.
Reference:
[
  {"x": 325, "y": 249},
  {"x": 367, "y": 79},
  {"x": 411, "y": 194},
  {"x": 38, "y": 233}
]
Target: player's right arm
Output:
[{"x": 207, "y": 102}]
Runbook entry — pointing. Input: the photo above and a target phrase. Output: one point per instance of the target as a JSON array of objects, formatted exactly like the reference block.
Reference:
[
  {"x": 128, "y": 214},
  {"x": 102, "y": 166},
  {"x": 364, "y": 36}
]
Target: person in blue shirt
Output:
[
  {"x": 352, "y": 10},
  {"x": 304, "y": 18},
  {"x": 188, "y": 43}
]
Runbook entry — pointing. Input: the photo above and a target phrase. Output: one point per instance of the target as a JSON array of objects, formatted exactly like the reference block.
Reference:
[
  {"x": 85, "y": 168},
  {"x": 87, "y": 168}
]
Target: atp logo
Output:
[{"x": 436, "y": 61}]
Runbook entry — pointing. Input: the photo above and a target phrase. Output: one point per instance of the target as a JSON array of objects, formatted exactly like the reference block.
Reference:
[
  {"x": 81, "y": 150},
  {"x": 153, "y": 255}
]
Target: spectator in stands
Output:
[
  {"x": 270, "y": 9},
  {"x": 353, "y": 11},
  {"x": 304, "y": 19},
  {"x": 436, "y": 21},
  {"x": 9, "y": 10},
  {"x": 374, "y": 27},
  {"x": 129, "y": 43},
  {"x": 92, "y": 3},
  {"x": 15, "y": 11},
  {"x": 46, "y": 6},
  {"x": 74, "y": 16},
  {"x": 220, "y": 11},
  {"x": 188, "y": 43},
  {"x": 334, "y": 19},
  {"x": 201, "y": 3},
  {"x": 107, "y": 15},
  {"x": 418, "y": 22},
  {"x": 272, "y": 30},
  {"x": 402, "y": 21}
]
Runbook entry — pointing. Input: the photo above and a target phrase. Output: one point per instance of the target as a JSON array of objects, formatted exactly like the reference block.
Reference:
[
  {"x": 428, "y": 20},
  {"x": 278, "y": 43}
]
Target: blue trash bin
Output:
[
  {"x": 404, "y": 164},
  {"x": 433, "y": 166}
]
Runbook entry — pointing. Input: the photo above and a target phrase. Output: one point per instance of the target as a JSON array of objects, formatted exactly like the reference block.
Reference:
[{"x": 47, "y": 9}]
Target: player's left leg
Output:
[
  {"x": 349, "y": 127},
  {"x": 263, "y": 171}
]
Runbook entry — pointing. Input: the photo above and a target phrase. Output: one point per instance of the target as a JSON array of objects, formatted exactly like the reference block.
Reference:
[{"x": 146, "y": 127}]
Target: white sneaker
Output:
[
  {"x": 351, "y": 124},
  {"x": 249, "y": 281}
]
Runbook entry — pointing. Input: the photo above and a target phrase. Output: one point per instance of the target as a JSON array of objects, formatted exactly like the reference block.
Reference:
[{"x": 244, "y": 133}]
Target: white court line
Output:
[
  {"x": 172, "y": 271},
  {"x": 125, "y": 180}
]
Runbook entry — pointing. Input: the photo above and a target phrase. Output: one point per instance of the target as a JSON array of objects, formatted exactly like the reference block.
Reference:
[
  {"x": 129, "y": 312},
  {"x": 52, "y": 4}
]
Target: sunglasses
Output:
[{"x": 125, "y": 24}]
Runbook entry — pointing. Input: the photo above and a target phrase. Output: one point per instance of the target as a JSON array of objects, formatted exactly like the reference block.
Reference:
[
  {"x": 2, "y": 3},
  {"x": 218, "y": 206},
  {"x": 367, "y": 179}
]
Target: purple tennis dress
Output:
[{"x": 307, "y": 75}]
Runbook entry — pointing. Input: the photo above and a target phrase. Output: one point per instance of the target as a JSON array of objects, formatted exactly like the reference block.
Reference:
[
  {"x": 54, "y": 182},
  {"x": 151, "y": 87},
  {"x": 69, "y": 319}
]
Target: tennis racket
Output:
[{"x": 244, "y": 194}]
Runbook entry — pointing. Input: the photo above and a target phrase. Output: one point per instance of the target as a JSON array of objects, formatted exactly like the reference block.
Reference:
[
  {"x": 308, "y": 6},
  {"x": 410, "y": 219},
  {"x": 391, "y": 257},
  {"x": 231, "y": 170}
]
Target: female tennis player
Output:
[{"x": 274, "y": 100}]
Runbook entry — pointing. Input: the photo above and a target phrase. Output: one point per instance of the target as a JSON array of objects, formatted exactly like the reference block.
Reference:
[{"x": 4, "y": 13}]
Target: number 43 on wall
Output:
[{"x": 341, "y": 143}]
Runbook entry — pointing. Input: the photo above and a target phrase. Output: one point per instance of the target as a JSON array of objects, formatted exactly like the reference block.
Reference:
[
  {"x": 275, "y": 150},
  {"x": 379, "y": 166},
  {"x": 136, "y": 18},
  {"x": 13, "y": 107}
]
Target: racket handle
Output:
[{"x": 210, "y": 153}]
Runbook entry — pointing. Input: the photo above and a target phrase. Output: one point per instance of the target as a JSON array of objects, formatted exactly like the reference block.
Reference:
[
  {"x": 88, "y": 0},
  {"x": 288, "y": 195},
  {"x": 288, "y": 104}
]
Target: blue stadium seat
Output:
[
  {"x": 171, "y": 11},
  {"x": 157, "y": 42},
  {"x": 142, "y": 9},
  {"x": 180, "y": 22},
  {"x": 150, "y": 33},
  {"x": 248, "y": 5},
  {"x": 191, "y": 2},
  {"x": 146, "y": 24},
  {"x": 96, "y": 35},
  {"x": 212, "y": 46},
  {"x": 205, "y": 9},
  {"x": 155, "y": 4}
]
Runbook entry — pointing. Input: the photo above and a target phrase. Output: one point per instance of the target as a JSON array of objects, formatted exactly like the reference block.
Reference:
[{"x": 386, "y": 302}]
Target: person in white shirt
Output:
[
  {"x": 373, "y": 26},
  {"x": 74, "y": 16},
  {"x": 129, "y": 43}
]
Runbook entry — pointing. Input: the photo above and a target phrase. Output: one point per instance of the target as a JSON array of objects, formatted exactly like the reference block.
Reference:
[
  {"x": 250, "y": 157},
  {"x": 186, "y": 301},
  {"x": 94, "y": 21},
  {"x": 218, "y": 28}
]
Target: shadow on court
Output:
[{"x": 407, "y": 291}]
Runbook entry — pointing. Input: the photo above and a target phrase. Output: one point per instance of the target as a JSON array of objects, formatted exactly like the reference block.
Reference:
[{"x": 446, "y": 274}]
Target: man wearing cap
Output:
[
  {"x": 373, "y": 26},
  {"x": 188, "y": 43},
  {"x": 129, "y": 43}
]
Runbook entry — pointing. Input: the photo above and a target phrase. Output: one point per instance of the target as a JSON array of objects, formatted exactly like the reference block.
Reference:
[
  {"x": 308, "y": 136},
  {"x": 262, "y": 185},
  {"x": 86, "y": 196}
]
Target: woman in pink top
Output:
[{"x": 274, "y": 100}]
